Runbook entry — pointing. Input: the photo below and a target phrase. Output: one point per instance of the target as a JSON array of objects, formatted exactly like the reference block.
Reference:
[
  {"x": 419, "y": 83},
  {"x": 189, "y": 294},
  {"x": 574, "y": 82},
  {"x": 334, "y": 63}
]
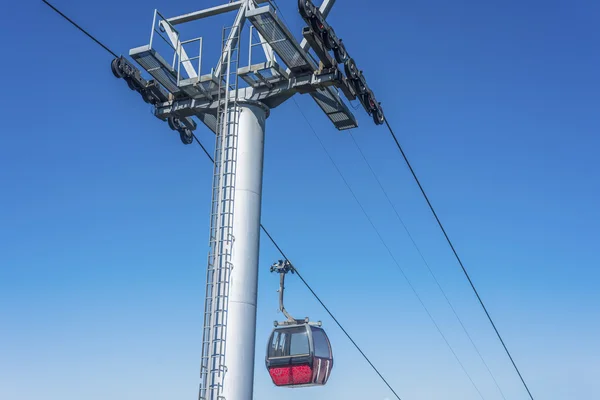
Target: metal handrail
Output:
[
  {"x": 167, "y": 41},
  {"x": 157, "y": 13},
  {"x": 200, "y": 41}
]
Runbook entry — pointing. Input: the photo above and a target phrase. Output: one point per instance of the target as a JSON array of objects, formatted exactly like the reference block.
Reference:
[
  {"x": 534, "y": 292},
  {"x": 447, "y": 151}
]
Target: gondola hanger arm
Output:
[{"x": 282, "y": 267}]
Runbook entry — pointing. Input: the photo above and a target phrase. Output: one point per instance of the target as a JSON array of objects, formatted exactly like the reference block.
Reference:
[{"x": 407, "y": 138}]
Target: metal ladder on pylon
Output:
[{"x": 213, "y": 369}]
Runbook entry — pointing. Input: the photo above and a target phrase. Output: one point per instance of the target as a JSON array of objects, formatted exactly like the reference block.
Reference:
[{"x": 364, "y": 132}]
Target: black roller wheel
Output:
[
  {"x": 378, "y": 116},
  {"x": 340, "y": 53},
  {"x": 186, "y": 136},
  {"x": 361, "y": 89},
  {"x": 330, "y": 40},
  {"x": 114, "y": 67},
  {"x": 350, "y": 69},
  {"x": 305, "y": 8},
  {"x": 371, "y": 101},
  {"x": 173, "y": 123}
]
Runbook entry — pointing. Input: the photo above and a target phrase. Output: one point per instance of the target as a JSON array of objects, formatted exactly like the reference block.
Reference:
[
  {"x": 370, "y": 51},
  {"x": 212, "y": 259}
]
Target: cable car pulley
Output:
[{"x": 325, "y": 34}]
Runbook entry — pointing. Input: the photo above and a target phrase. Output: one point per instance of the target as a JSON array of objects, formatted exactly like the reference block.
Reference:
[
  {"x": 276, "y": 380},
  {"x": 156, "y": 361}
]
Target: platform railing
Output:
[
  {"x": 158, "y": 28},
  {"x": 189, "y": 59}
]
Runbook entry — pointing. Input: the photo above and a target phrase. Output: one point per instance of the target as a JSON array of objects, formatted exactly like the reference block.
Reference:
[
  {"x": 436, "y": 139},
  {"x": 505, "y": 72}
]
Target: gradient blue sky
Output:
[{"x": 104, "y": 213}]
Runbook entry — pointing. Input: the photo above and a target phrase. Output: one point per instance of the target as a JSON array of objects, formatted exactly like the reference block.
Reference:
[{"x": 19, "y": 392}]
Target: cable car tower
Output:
[{"x": 234, "y": 101}]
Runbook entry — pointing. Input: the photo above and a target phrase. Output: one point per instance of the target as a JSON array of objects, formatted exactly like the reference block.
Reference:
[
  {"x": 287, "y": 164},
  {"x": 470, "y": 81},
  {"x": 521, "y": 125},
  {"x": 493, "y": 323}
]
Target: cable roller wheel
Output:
[
  {"x": 186, "y": 136},
  {"x": 116, "y": 70}
]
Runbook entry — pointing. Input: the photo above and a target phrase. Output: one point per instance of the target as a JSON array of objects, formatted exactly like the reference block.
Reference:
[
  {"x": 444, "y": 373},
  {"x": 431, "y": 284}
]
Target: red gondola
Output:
[{"x": 298, "y": 352}]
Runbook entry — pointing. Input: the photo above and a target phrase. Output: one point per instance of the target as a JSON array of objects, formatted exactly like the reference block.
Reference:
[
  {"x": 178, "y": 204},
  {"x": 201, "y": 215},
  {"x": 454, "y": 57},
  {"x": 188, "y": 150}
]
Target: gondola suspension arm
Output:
[{"x": 282, "y": 268}]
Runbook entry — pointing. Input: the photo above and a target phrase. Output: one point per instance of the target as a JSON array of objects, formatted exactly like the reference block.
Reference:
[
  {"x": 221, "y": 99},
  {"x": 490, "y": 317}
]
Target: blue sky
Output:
[{"x": 105, "y": 213}]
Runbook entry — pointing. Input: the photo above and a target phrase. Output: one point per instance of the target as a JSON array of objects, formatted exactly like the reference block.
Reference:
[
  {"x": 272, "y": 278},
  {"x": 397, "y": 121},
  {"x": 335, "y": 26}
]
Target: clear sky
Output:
[{"x": 104, "y": 213}]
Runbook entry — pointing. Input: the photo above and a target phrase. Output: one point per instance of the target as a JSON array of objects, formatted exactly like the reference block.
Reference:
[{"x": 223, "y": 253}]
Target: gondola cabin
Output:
[{"x": 299, "y": 355}]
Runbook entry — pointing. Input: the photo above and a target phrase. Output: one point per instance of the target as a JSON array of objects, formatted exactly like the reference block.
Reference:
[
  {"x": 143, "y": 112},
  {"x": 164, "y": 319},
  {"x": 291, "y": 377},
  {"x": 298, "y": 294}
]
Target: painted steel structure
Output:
[{"x": 234, "y": 101}]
